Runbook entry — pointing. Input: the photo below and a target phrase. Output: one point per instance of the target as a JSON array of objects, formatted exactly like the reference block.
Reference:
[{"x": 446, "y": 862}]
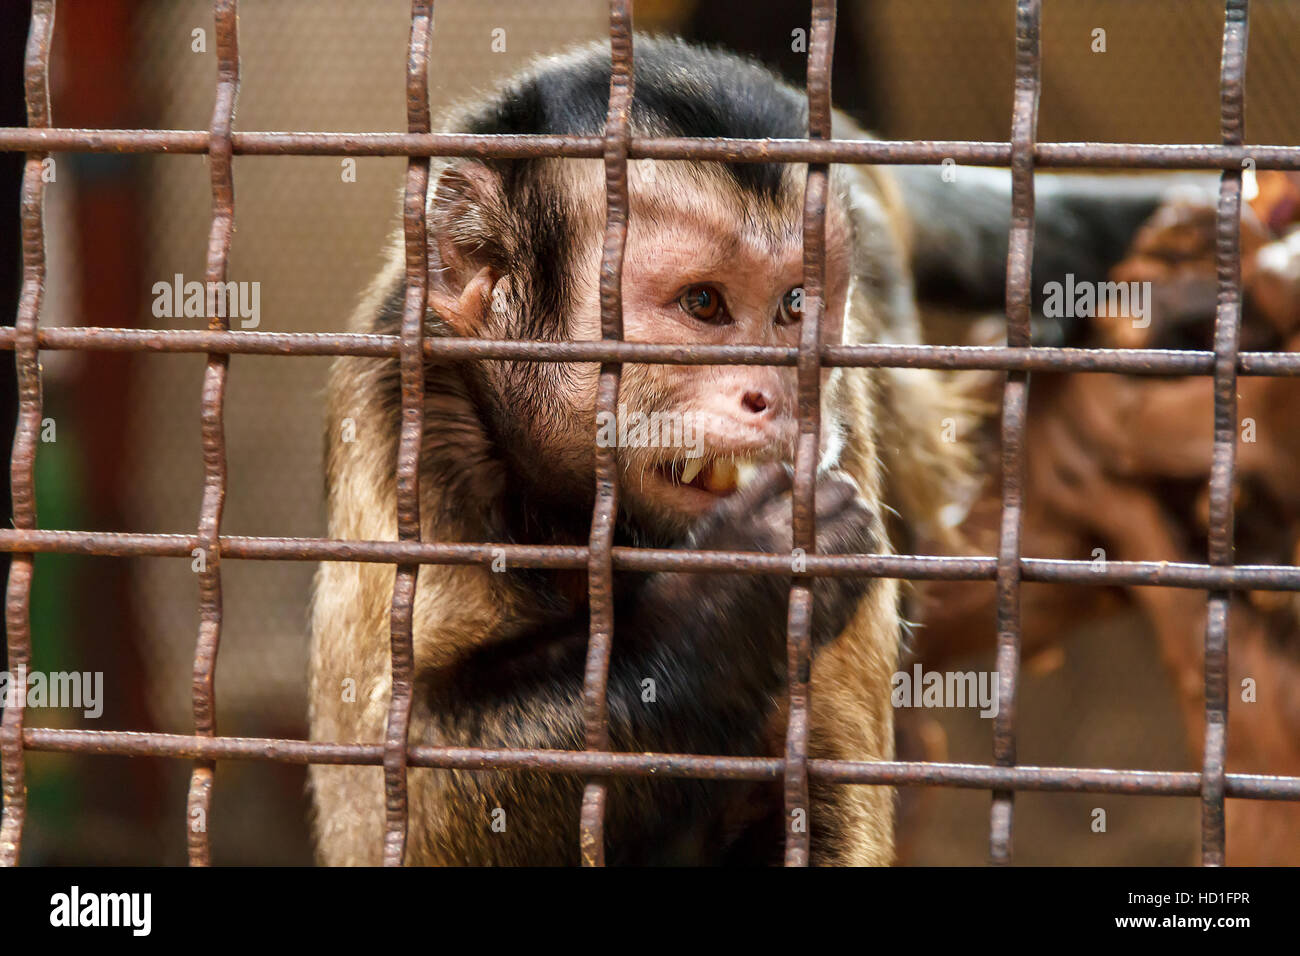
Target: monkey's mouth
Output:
[{"x": 716, "y": 476}]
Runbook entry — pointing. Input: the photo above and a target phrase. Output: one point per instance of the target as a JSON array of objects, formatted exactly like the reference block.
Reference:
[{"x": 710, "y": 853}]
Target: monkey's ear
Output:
[{"x": 464, "y": 248}]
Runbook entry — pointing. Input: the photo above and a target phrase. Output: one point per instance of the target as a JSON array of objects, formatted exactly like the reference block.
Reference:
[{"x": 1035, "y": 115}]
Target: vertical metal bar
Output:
[
  {"x": 22, "y": 464},
  {"x": 411, "y": 362},
  {"x": 220, "y": 162},
  {"x": 1227, "y": 335},
  {"x": 1015, "y": 404},
  {"x": 798, "y": 813},
  {"x": 600, "y": 563}
]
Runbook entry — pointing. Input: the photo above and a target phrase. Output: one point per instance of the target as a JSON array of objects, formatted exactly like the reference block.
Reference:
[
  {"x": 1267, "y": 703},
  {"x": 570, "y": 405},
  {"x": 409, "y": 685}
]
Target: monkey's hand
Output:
[{"x": 759, "y": 517}]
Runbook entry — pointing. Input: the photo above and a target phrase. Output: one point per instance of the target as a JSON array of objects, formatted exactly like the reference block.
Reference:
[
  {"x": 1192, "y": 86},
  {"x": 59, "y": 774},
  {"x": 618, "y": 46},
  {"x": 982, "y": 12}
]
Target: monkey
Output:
[{"x": 713, "y": 256}]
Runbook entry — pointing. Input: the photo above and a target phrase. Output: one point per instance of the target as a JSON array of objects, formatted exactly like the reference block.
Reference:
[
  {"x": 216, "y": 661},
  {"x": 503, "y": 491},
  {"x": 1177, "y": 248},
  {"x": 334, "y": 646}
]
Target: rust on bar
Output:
[
  {"x": 798, "y": 809},
  {"x": 22, "y": 463},
  {"x": 1227, "y": 338},
  {"x": 1015, "y": 410},
  {"x": 912, "y": 567},
  {"x": 1181, "y": 783},
  {"x": 950, "y": 357},
  {"x": 220, "y": 161},
  {"x": 411, "y": 362},
  {"x": 600, "y": 565},
  {"x": 892, "y": 152}
]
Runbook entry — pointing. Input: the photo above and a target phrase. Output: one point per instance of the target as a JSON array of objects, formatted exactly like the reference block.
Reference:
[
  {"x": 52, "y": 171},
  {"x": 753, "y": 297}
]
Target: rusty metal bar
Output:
[
  {"x": 950, "y": 357},
  {"x": 22, "y": 464},
  {"x": 912, "y": 567},
  {"x": 798, "y": 809},
  {"x": 1227, "y": 337},
  {"x": 225, "y": 15},
  {"x": 1015, "y": 411},
  {"x": 411, "y": 437},
  {"x": 716, "y": 149},
  {"x": 1186, "y": 783},
  {"x": 600, "y": 565}
]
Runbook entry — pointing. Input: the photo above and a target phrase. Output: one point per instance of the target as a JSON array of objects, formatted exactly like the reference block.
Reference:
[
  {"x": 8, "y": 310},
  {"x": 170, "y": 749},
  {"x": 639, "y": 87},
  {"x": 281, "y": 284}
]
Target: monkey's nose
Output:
[{"x": 755, "y": 402}]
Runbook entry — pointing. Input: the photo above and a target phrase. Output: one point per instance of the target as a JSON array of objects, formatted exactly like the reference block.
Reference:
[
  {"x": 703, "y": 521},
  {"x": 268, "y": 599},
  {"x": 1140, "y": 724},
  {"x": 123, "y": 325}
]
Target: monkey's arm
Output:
[{"x": 713, "y": 645}]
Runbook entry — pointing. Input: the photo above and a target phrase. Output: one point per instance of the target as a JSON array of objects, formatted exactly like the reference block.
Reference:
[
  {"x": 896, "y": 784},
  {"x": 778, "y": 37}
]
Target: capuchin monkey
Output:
[{"x": 713, "y": 256}]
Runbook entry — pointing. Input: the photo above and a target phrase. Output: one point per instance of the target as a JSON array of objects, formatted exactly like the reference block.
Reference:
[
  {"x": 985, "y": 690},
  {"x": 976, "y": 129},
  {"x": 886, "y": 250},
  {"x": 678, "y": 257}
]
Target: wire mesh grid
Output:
[{"x": 1219, "y": 576}]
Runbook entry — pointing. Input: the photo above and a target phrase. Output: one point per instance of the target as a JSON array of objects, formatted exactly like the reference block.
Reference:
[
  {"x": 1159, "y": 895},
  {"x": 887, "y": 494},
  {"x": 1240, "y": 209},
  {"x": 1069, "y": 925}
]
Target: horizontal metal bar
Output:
[
  {"x": 1051, "y": 779},
  {"x": 1241, "y": 577},
  {"x": 949, "y": 357},
  {"x": 906, "y": 773},
  {"x": 898, "y": 152}
]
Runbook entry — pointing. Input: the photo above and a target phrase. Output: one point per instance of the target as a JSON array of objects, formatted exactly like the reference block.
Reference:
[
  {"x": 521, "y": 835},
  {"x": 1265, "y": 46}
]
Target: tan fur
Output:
[{"x": 893, "y": 448}]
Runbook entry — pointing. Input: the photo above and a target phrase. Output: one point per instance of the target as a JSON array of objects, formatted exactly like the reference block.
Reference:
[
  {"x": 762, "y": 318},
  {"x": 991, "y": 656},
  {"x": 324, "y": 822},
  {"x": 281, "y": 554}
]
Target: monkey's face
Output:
[{"x": 708, "y": 264}]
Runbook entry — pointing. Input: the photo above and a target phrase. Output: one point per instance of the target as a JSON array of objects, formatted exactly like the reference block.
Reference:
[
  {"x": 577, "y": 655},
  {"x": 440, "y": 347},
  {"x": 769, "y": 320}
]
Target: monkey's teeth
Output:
[
  {"x": 721, "y": 478},
  {"x": 745, "y": 472},
  {"x": 693, "y": 466}
]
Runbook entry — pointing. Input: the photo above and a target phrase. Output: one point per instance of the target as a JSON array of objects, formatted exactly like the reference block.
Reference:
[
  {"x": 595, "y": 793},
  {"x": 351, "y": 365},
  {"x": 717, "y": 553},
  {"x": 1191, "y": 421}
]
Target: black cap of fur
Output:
[{"x": 680, "y": 90}]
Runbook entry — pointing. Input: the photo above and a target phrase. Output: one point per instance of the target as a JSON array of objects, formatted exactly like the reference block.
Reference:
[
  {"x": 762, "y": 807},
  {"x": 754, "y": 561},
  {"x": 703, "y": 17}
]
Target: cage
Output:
[{"x": 137, "y": 185}]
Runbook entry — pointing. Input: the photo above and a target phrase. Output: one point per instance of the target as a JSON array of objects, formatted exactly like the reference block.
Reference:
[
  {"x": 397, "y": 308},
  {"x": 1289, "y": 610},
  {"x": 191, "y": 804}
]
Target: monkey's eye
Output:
[
  {"x": 704, "y": 302},
  {"x": 791, "y": 310}
]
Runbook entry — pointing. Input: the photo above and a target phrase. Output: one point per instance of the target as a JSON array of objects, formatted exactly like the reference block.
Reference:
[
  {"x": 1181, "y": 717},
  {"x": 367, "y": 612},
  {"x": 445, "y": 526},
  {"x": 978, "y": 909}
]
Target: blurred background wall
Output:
[{"x": 127, "y": 457}]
